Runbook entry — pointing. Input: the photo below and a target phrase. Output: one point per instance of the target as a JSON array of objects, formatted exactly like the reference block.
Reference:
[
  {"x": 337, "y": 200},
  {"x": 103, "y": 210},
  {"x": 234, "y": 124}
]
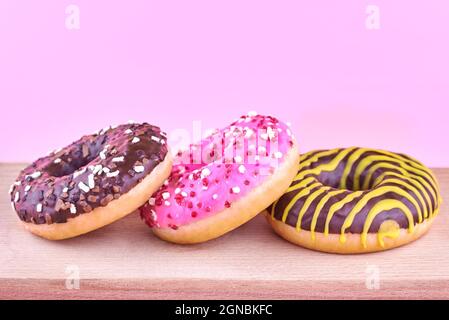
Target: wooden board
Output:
[{"x": 124, "y": 260}]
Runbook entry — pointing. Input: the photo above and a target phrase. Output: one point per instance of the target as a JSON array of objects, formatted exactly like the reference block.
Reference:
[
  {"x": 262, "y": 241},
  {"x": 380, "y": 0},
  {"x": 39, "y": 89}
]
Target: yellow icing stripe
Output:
[
  {"x": 416, "y": 177},
  {"x": 337, "y": 206},
  {"x": 415, "y": 192},
  {"x": 414, "y": 162},
  {"x": 364, "y": 200},
  {"x": 419, "y": 186},
  {"x": 388, "y": 229},
  {"x": 330, "y": 166},
  {"x": 307, "y": 204},
  {"x": 316, "y": 157},
  {"x": 352, "y": 158},
  {"x": 357, "y": 154},
  {"x": 319, "y": 207},
  {"x": 382, "y": 206},
  {"x": 370, "y": 159},
  {"x": 300, "y": 194},
  {"x": 308, "y": 155},
  {"x": 301, "y": 184}
]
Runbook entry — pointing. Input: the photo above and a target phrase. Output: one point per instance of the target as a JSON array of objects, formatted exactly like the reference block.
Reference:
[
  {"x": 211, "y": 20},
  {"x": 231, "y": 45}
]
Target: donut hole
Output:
[
  {"x": 332, "y": 179},
  {"x": 75, "y": 158},
  {"x": 329, "y": 179}
]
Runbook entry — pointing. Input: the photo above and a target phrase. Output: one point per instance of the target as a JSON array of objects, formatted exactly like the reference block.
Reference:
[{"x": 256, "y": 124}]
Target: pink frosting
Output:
[{"x": 211, "y": 175}]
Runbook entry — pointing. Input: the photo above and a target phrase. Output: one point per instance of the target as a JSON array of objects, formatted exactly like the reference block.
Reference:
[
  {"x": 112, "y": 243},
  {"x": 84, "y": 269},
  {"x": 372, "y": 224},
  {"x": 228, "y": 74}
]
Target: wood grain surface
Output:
[{"x": 124, "y": 260}]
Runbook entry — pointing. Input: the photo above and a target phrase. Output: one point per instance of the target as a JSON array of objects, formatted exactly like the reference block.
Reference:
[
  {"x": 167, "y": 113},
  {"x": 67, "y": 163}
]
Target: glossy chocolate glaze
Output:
[{"x": 87, "y": 174}]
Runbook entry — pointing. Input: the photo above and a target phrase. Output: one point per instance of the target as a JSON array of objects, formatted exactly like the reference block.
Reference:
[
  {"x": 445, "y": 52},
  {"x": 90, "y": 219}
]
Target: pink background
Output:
[{"x": 171, "y": 62}]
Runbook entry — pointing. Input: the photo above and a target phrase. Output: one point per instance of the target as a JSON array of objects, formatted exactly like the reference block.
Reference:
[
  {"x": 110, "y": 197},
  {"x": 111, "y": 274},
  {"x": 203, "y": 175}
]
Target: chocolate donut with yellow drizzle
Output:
[{"x": 356, "y": 200}]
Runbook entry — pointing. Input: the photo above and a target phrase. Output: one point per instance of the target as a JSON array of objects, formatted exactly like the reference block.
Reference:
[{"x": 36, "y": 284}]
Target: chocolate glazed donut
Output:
[
  {"x": 356, "y": 200},
  {"x": 92, "y": 182}
]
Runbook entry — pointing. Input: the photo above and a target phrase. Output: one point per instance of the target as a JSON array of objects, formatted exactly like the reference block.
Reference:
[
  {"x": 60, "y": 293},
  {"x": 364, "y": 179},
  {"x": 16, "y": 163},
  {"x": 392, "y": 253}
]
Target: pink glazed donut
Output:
[{"x": 223, "y": 181}]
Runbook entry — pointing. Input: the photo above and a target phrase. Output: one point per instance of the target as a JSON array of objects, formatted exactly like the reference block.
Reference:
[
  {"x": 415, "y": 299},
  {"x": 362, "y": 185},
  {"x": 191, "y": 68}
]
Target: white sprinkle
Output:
[
  {"x": 27, "y": 188},
  {"x": 264, "y": 136},
  {"x": 103, "y": 154},
  {"x": 112, "y": 174},
  {"x": 278, "y": 155},
  {"x": 242, "y": 168},
  {"x": 65, "y": 189},
  {"x": 72, "y": 209},
  {"x": 91, "y": 181},
  {"x": 177, "y": 190},
  {"x": 165, "y": 195},
  {"x": 106, "y": 169},
  {"x": 118, "y": 159},
  {"x": 205, "y": 188},
  {"x": 271, "y": 133},
  {"x": 152, "y": 201},
  {"x": 79, "y": 172},
  {"x": 235, "y": 189},
  {"x": 97, "y": 168},
  {"x": 262, "y": 150},
  {"x": 35, "y": 175},
  {"x": 155, "y": 139},
  {"x": 191, "y": 176},
  {"x": 289, "y": 132},
  {"x": 184, "y": 194},
  {"x": 162, "y": 141},
  {"x": 135, "y": 140},
  {"x": 11, "y": 189},
  {"x": 153, "y": 215},
  {"x": 128, "y": 131},
  {"x": 215, "y": 196},
  {"x": 39, "y": 207},
  {"x": 167, "y": 203},
  {"x": 58, "y": 160},
  {"x": 139, "y": 169},
  {"x": 205, "y": 172},
  {"x": 83, "y": 187},
  {"x": 17, "y": 197},
  {"x": 238, "y": 159},
  {"x": 252, "y": 113}
]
